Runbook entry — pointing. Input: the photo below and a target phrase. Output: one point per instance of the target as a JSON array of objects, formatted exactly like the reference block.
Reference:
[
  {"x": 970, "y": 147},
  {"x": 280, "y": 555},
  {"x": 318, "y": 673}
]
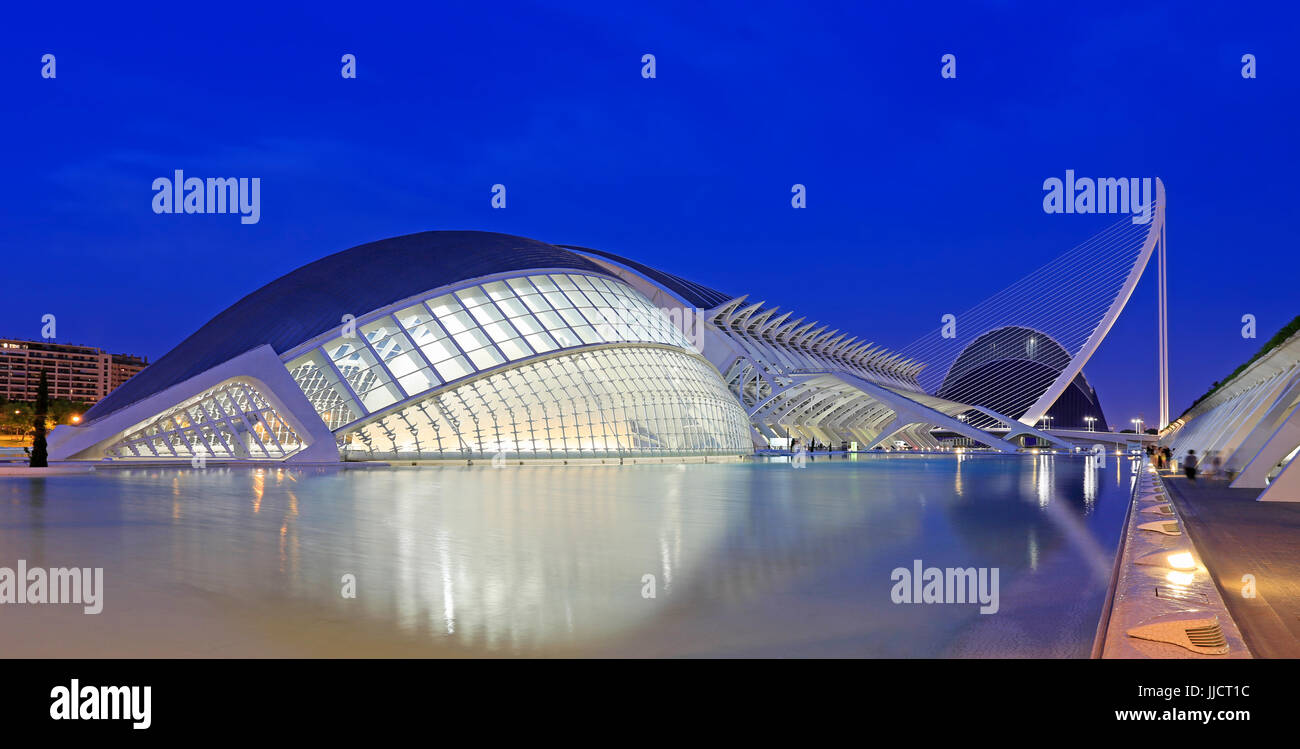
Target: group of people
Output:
[
  {"x": 1163, "y": 458},
  {"x": 1160, "y": 456}
]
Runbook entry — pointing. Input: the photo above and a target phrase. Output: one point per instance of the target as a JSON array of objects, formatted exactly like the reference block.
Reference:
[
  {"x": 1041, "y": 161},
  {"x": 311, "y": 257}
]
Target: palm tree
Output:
[{"x": 40, "y": 457}]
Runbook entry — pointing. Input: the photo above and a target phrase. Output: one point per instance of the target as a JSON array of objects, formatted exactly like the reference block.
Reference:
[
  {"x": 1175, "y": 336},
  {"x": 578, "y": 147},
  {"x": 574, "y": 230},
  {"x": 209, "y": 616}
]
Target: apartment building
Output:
[{"x": 80, "y": 373}]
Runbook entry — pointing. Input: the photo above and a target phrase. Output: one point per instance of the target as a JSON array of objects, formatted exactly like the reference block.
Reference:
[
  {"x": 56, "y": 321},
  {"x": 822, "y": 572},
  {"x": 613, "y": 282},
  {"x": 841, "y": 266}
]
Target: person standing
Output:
[{"x": 1189, "y": 465}]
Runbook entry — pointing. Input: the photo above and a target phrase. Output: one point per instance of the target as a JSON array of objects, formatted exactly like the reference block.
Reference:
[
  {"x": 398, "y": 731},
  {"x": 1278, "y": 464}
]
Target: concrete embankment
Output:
[{"x": 1164, "y": 603}]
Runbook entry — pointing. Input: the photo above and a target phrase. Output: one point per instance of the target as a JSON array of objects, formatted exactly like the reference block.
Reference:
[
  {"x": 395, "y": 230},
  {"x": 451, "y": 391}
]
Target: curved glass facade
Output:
[
  {"x": 605, "y": 402},
  {"x": 405, "y": 352}
]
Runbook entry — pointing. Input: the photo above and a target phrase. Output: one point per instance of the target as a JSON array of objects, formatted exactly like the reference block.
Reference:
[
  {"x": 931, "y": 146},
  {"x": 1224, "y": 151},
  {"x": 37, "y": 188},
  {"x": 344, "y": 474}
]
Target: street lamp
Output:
[
  {"x": 1090, "y": 420},
  {"x": 1138, "y": 421}
]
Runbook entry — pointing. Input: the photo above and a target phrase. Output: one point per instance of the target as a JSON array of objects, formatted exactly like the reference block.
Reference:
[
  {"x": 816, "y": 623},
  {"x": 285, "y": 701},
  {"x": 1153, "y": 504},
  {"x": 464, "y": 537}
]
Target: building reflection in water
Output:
[{"x": 551, "y": 559}]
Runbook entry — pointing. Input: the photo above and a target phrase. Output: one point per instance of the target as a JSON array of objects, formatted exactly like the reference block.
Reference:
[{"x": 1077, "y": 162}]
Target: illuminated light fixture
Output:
[
  {"x": 1164, "y": 510},
  {"x": 1180, "y": 578},
  {"x": 1176, "y": 559}
]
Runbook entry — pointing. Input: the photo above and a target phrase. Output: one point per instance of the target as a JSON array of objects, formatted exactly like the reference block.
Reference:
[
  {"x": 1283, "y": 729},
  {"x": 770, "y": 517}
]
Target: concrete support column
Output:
[
  {"x": 1264, "y": 428},
  {"x": 1286, "y": 487},
  {"x": 1280, "y": 444}
]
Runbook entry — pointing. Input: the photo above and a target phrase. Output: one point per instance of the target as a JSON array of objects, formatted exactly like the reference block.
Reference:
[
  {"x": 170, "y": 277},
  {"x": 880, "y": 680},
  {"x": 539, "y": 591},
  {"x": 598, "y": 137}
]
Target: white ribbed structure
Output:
[{"x": 1251, "y": 424}]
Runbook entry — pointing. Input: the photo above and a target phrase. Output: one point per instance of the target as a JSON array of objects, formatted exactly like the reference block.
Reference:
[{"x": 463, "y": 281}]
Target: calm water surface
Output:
[{"x": 749, "y": 559}]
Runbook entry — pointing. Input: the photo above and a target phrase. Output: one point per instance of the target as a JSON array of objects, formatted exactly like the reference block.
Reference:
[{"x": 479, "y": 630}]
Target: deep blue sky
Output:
[{"x": 924, "y": 194}]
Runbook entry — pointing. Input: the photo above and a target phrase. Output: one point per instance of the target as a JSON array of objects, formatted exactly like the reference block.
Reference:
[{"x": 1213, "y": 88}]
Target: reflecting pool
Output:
[{"x": 756, "y": 558}]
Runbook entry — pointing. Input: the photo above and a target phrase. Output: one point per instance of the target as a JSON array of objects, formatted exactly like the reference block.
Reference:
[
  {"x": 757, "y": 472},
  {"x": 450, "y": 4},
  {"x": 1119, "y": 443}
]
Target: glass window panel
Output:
[
  {"x": 453, "y": 369},
  {"x": 497, "y": 290},
  {"x": 486, "y": 357},
  {"x": 578, "y": 298},
  {"x": 352, "y": 355},
  {"x": 565, "y": 337},
  {"x": 471, "y": 340},
  {"x": 515, "y": 349},
  {"x": 588, "y": 334},
  {"x": 338, "y": 348},
  {"x": 392, "y": 346},
  {"x": 440, "y": 350},
  {"x": 536, "y": 303},
  {"x": 551, "y": 320},
  {"x": 456, "y": 322},
  {"x": 541, "y": 342},
  {"x": 413, "y": 316},
  {"x": 380, "y": 397},
  {"x": 486, "y": 314},
  {"x": 521, "y": 286},
  {"x": 557, "y": 299},
  {"x": 500, "y": 331},
  {"x": 603, "y": 316},
  {"x": 573, "y": 317},
  {"x": 512, "y": 307},
  {"x": 543, "y": 283},
  {"x": 418, "y": 382},
  {"x": 404, "y": 364},
  {"x": 379, "y": 329},
  {"x": 472, "y": 297},
  {"x": 427, "y": 332},
  {"x": 563, "y": 282},
  {"x": 444, "y": 305},
  {"x": 526, "y": 324}
]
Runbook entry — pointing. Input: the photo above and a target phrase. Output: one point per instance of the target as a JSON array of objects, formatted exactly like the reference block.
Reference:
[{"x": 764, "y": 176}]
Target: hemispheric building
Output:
[{"x": 474, "y": 345}]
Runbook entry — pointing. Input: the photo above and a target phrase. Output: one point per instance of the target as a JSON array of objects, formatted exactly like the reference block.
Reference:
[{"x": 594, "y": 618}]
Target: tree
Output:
[{"x": 40, "y": 457}]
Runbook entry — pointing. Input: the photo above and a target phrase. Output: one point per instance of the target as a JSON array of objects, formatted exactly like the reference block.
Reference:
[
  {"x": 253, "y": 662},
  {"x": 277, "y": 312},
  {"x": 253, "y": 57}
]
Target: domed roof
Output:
[
  {"x": 692, "y": 293},
  {"x": 311, "y": 300}
]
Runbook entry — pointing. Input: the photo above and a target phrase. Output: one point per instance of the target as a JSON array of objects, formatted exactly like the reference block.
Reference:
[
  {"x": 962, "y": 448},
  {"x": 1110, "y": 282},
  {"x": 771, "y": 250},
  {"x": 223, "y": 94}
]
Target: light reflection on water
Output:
[{"x": 750, "y": 558}]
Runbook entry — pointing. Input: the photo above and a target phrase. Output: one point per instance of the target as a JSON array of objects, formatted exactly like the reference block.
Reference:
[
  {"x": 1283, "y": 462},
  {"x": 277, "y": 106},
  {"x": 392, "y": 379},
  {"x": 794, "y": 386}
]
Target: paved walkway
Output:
[{"x": 1237, "y": 536}]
